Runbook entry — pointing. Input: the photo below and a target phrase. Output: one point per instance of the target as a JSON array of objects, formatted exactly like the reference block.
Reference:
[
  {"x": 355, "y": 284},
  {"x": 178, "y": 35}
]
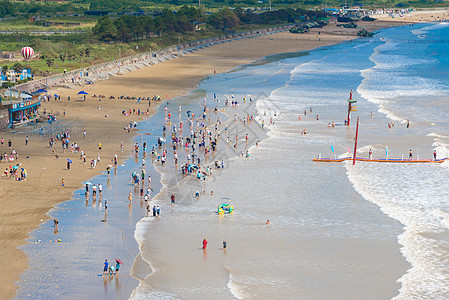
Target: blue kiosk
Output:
[{"x": 23, "y": 112}]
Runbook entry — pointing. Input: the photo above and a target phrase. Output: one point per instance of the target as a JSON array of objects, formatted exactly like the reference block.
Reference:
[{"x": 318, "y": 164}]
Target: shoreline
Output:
[
  {"x": 91, "y": 122},
  {"x": 151, "y": 246}
]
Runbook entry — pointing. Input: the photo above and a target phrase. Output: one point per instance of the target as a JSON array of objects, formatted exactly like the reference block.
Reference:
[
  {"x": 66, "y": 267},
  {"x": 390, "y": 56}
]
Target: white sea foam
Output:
[
  {"x": 389, "y": 79},
  {"x": 412, "y": 197},
  {"x": 236, "y": 290},
  {"x": 429, "y": 28},
  {"x": 438, "y": 135},
  {"x": 144, "y": 294}
]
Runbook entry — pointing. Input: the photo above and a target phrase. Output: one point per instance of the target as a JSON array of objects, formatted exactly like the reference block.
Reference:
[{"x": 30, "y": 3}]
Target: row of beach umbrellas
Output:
[{"x": 79, "y": 93}]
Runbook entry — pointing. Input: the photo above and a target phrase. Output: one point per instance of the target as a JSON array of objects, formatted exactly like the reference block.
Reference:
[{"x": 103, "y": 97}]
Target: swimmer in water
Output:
[{"x": 267, "y": 222}]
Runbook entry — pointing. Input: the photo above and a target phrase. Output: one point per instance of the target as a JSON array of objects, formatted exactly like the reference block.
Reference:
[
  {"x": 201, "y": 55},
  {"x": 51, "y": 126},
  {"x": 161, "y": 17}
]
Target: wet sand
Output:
[{"x": 24, "y": 204}]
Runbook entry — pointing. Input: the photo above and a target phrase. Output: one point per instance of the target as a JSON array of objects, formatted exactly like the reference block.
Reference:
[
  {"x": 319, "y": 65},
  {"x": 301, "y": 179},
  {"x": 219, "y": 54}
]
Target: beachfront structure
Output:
[
  {"x": 18, "y": 112},
  {"x": 14, "y": 76}
]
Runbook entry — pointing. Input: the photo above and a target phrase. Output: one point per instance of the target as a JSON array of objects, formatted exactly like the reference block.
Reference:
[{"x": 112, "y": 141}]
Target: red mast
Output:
[{"x": 355, "y": 143}]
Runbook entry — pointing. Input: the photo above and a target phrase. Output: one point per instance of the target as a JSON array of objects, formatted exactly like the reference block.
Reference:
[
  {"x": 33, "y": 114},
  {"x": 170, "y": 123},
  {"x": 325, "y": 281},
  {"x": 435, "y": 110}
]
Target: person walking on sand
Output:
[
  {"x": 225, "y": 244},
  {"x": 410, "y": 154},
  {"x": 106, "y": 266},
  {"x": 204, "y": 244},
  {"x": 435, "y": 155},
  {"x": 172, "y": 197}
]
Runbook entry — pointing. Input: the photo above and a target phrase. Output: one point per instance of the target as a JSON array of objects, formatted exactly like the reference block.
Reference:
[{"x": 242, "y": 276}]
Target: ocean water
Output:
[{"x": 337, "y": 231}]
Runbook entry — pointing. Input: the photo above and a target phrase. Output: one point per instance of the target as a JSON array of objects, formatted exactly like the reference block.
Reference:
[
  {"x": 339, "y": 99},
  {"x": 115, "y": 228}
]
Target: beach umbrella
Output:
[
  {"x": 82, "y": 93},
  {"x": 119, "y": 261},
  {"x": 69, "y": 160},
  {"x": 56, "y": 95},
  {"x": 15, "y": 167},
  {"x": 41, "y": 91},
  {"x": 87, "y": 182}
]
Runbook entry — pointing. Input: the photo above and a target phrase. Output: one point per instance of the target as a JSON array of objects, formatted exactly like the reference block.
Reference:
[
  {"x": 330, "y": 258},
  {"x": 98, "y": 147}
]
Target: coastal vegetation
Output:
[
  {"x": 73, "y": 34},
  {"x": 111, "y": 37}
]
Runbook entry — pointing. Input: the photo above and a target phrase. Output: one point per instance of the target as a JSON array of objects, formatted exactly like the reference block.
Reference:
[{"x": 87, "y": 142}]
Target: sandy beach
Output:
[
  {"x": 419, "y": 16},
  {"x": 24, "y": 204}
]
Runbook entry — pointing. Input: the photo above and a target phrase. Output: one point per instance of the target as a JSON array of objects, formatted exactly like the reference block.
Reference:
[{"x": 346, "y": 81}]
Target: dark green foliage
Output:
[
  {"x": 106, "y": 30},
  {"x": 8, "y": 9},
  {"x": 128, "y": 28}
]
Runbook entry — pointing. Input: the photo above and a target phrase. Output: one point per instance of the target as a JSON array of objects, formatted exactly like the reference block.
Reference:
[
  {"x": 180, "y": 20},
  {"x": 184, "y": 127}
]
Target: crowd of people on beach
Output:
[{"x": 14, "y": 171}]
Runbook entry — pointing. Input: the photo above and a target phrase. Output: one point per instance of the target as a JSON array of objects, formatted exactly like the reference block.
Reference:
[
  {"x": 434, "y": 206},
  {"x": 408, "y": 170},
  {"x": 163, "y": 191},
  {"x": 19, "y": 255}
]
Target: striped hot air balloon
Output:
[{"x": 27, "y": 53}]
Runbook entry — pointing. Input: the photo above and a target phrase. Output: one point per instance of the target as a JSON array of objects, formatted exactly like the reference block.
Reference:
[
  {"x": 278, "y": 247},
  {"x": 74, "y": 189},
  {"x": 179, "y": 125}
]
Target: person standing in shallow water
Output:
[
  {"x": 204, "y": 244},
  {"x": 105, "y": 268}
]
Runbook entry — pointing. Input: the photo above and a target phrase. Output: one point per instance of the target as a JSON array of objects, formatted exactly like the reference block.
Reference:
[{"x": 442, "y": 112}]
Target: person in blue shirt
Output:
[{"x": 105, "y": 269}]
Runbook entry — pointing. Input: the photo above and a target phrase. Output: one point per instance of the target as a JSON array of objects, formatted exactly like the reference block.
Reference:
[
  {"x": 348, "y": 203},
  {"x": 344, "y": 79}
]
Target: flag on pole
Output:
[
  {"x": 386, "y": 150},
  {"x": 349, "y": 150},
  {"x": 332, "y": 148}
]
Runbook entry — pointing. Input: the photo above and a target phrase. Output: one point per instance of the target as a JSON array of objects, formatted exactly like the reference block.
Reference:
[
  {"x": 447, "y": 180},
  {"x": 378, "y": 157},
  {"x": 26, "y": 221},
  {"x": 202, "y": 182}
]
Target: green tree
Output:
[
  {"x": 17, "y": 67},
  {"x": 63, "y": 56},
  {"x": 124, "y": 32},
  {"x": 105, "y": 30},
  {"x": 223, "y": 19},
  {"x": 49, "y": 61},
  {"x": 81, "y": 55},
  {"x": 148, "y": 26}
]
